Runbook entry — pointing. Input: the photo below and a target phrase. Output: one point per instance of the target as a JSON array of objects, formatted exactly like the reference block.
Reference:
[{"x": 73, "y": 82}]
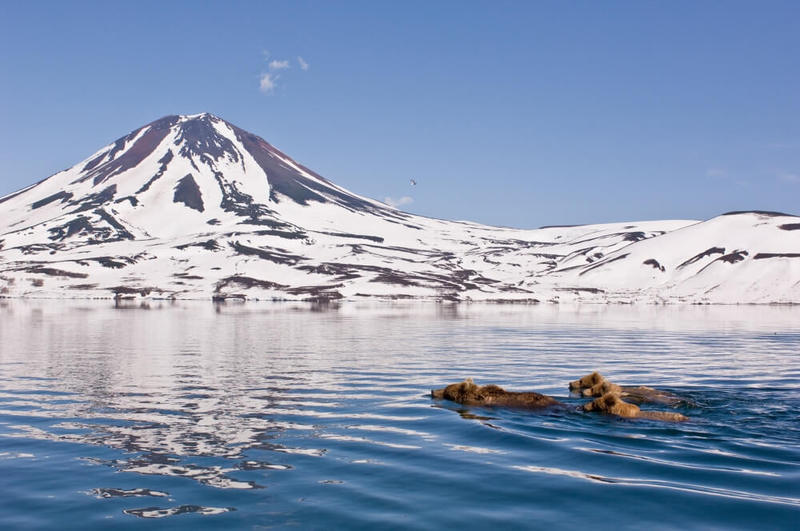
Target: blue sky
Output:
[{"x": 509, "y": 113}]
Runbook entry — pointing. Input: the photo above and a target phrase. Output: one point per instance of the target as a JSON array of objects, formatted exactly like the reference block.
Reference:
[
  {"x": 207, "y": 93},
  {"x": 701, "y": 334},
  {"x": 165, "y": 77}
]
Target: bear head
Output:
[{"x": 587, "y": 381}]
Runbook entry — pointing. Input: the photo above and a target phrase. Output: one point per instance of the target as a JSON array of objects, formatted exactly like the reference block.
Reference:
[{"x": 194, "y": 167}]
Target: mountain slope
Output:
[{"x": 195, "y": 207}]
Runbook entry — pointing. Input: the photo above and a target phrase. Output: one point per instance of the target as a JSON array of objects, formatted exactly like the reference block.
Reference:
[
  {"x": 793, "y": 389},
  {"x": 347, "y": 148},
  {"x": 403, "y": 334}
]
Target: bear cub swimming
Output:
[
  {"x": 609, "y": 397},
  {"x": 596, "y": 385}
]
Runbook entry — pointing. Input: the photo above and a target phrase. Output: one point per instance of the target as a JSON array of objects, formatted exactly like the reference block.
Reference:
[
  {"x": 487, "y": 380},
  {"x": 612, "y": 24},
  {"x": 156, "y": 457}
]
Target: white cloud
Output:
[
  {"x": 267, "y": 83},
  {"x": 397, "y": 203},
  {"x": 786, "y": 177},
  {"x": 278, "y": 65}
]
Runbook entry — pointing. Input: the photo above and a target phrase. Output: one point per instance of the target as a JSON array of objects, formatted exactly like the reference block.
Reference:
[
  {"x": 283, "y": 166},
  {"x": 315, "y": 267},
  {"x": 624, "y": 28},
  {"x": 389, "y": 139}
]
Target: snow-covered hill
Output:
[{"x": 194, "y": 207}]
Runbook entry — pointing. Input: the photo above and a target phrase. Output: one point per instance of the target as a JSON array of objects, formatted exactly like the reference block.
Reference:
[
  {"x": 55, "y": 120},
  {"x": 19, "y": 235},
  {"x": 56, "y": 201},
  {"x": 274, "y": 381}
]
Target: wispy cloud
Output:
[
  {"x": 267, "y": 82},
  {"x": 278, "y": 65},
  {"x": 397, "y": 203}
]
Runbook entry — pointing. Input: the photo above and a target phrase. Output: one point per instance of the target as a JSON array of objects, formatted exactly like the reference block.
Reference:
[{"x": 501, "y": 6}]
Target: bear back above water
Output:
[{"x": 471, "y": 394}]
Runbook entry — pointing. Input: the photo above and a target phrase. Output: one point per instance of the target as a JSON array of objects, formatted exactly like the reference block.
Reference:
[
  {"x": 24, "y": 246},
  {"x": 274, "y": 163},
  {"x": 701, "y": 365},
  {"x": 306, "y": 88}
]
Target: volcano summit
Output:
[{"x": 195, "y": 207}]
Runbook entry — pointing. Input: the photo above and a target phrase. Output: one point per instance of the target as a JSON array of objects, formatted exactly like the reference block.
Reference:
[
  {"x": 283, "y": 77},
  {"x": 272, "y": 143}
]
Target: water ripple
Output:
[{"x": 249, "y": 416}]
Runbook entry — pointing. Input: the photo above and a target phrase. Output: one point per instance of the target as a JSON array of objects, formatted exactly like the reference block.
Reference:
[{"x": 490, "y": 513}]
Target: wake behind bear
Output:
[{"x": 609, "y": 398}]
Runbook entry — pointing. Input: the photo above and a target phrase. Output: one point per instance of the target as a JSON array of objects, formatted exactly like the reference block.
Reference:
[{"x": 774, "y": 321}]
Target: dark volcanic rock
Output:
[
  {"x": 767, "y": 213},
  {"x": 165, "y": 160},
  {"x": 188, "y": 193},
  {"x": 707, "y": 252},
  {"x": 103, "y": 167},
  {"x": 247, "y": 282},
  {"x": 761, "y": 256},
  {"x": 63, "y": 196},
  {"x": 735, "y": 256},
  {"x": 209, "y": 245},
  {"x": 653, "y": 262},
  {"x": 279, "y": 256},
  {"x": 50, "y": 271}
]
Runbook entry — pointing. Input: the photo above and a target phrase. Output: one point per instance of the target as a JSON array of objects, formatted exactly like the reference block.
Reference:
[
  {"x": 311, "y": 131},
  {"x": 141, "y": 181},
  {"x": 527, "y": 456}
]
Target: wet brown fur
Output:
[
  {"x": 471, "y": 394},
  {"x": 596, "y": 385},
  {"x": 613, "y": 403}
]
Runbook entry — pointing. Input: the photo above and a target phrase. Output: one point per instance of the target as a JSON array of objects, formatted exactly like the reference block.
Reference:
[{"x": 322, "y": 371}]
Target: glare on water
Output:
[{"x": 319, "y": 417}]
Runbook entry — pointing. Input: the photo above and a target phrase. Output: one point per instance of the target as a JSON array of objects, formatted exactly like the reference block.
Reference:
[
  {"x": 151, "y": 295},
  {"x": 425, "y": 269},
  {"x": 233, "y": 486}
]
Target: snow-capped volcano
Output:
[{"x": 195, "y": 207}]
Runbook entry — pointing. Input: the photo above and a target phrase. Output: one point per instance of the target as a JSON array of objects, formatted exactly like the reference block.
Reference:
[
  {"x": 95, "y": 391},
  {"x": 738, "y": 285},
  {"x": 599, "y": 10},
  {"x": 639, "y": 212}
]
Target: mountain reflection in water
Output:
[{"x": 281, "y": 414}]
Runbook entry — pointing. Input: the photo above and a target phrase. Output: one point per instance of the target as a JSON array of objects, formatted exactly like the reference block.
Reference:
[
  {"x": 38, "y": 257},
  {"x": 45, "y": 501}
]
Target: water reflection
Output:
[{"x": 285, "y": 398}]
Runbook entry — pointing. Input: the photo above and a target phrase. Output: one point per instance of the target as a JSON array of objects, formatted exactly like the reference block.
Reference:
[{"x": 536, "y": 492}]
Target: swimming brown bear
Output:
[
  {"x": 613, "y": 403},
  {"x": 596, "y": 385},
  {"x": 471, "y": 394}
]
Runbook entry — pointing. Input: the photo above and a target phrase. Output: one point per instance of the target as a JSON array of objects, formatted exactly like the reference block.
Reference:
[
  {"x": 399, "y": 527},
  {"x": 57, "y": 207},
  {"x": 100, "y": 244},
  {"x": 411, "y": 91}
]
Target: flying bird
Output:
[{"x": 413, "y": 182}]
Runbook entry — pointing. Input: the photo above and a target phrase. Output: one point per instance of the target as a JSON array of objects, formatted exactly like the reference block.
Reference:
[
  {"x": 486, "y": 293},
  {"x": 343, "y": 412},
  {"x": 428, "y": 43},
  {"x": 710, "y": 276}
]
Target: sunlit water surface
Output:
[{"x": 272, "y": 415}]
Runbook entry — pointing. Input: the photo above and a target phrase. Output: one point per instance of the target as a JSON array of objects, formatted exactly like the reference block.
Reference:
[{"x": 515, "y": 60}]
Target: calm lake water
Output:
[{"x": 279, "y": 415}]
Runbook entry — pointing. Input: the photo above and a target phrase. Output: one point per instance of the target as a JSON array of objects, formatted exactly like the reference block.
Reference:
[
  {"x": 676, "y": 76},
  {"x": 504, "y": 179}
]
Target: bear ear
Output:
[{"x": 610, "y": 399}]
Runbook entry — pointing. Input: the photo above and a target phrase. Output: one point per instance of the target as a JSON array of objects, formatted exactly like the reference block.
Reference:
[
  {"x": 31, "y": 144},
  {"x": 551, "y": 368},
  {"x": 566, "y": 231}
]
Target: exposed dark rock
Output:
[
  {"x": 200, "y": 139},
  {"x": 82, "y": 225},
  {"x": 130, "y": 290},
  {"x": 82, "y": 286},
  {"x": 317, "y": 293},
  {"x": 133, "y": 201},
  {"x": 240, "y": 203},
  {"x": 188, "y": 193},
  {"x": 707, "y": 252},
  {"x": 732, "y": 258},
  {"x": 209, "y": 245},
  {"x": 767, "y": 213},
  {"x": 94, "y": 200},
  {"x": 563, "y": 226},
  {"x": 601, "y": 264},
  {"x": 289, "y": 235},
  {"x": 187, "y": 276},
  {"x": 376, "y": 239},
  {"x": 289, "y": 182},
  {"x": 38, "y": 248},
  {"x": 112, "y": 263},
  {"x": 63, "y": 196},
  {"x": 100, "y": 171},
  {"x": 634, "y": 236},
  {"x": 71, "y": 228},
  {"x": 653, "y": 262},
  {"x": 164, "y": 161},
  {"x": 50, "y": 271},
  {"x": 279, "y": 256},
  {"x": 122, "y": 232},
  {"x": 262, "y": 222},
  {"x": 790, "y": 226},
  {"x": 247, "y": 282},
  {"x": 579, "y": 290},
  {"x": 761, "y": 256}
]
